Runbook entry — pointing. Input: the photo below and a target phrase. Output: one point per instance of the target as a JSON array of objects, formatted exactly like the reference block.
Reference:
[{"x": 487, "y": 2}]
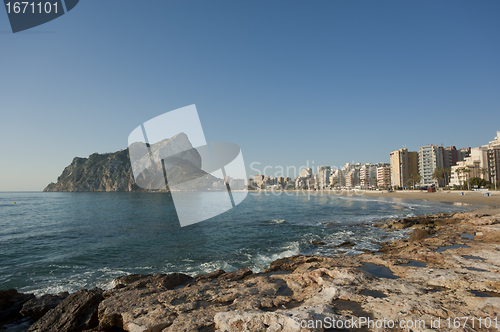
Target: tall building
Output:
[
  {"x": 352, "y": 178},
  {"x": 258, "y": 180},
  {"x": 452, "y": 155},
  {"x": 494, "y": 159},
  {"x": 323, "y": 176},
  {"x": 306, "y": 173},
  {"x": 403, "y": 164},
  {"x": 367, "y": 175},
  {"x": 334, "y": 178},
  {"x": 384, "y": 176},
  {"x": 483, "y": 162},
  {"x": 473, "y": 166},
  {"x": 430, "y": 157}
]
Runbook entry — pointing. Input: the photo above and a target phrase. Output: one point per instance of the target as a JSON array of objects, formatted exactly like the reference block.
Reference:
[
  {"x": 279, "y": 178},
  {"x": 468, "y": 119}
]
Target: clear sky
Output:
[{"x": 289, "y": 81}]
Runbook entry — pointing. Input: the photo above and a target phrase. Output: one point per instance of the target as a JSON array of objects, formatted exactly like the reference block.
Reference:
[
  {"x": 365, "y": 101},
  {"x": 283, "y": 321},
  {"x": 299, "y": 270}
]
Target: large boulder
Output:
[
  {"x": 11, "y": 303},
  {"x": 37, "y": 307},
  {"x": 158, "y": 280},
  {"x": 75, "y": 313},
  {"x": 235, "y": 275}
]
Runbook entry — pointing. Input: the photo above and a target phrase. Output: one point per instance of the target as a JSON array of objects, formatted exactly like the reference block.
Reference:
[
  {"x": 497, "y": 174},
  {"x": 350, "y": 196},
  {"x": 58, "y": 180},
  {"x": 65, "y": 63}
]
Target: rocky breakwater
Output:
[{"x": 445, "y": 272}]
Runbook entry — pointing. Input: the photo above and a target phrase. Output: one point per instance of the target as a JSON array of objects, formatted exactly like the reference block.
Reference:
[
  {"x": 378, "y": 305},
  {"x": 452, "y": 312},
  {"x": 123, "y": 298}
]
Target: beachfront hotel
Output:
[{"x": 403, "y": 164}]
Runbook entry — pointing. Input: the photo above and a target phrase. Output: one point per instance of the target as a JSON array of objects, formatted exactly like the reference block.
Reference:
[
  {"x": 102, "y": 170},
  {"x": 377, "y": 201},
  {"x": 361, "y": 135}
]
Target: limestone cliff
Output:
[{"x": 113, "y": 171}]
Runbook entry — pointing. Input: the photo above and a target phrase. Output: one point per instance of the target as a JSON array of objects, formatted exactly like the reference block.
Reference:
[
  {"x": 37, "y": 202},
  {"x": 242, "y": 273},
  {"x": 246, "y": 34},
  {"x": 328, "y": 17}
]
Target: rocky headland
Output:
[
  {"x": 113, "y": 171},
  {"x": 446, "y": 272}
]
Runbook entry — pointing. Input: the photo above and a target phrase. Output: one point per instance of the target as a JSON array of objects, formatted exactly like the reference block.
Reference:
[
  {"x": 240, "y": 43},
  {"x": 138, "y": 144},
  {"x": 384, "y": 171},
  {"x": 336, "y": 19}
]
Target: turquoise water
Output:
[{"x": 52, "y": 242}]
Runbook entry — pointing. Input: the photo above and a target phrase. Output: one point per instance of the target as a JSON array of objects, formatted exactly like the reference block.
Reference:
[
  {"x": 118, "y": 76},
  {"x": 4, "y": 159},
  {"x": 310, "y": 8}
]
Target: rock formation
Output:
[{"x": 113, "y": 171}]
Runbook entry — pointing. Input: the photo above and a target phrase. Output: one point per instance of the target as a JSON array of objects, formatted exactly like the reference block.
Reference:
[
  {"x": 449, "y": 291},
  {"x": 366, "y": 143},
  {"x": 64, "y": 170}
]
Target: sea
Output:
[{"x": 52, "y": 242}]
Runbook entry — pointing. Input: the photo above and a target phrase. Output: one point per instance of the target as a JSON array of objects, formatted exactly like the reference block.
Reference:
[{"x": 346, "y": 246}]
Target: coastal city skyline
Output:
[
  {"x": 333, "y": 82},
  {"x": 431, "y": 166}
]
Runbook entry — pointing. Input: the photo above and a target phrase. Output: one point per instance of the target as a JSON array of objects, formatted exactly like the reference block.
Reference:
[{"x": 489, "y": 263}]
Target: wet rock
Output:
[
  {"x": 37, "y": 307},
  {"x": 75, "y": 313},
  {"x": 291, "y": 263},
  {"x": 208, "y": 276},
  {"x": 159, "y": 280},
  {"x": 21, "y": 325},
  {"x": 418, "y": 234},
  {"x": 11, "y": 303},
  {"x": 345, "y": 244},
  {"x": 236, "y": 275},
  {"x": 128, "y": 279}
]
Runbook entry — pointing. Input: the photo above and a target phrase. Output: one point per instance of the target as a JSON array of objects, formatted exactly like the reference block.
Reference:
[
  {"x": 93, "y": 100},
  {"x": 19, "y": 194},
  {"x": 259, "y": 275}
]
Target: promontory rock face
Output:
[{"x": 113, "y": 171}]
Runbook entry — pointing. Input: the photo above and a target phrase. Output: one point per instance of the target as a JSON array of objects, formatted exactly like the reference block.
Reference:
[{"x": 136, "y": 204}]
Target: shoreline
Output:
[
  {"x": 473, "y": 199},
  {"x": 435, "y": 274}
]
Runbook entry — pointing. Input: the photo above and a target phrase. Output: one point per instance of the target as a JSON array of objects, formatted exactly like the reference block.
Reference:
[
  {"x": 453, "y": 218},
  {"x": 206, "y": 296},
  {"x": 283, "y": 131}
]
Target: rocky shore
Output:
[{"x": 444, "y": 277}]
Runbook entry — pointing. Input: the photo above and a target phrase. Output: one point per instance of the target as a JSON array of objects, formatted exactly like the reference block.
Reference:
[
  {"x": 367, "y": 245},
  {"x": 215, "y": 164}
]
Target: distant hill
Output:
[{"x": 113, "y": 171}]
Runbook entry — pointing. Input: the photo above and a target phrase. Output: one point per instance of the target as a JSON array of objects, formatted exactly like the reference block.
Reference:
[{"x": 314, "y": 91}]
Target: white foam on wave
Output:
[
  {"x": 262, "y": 261},
  {"x": 277, "y": 221},
  {"x": 102, "y": 278},
  {"x": 208, "y": 267}
]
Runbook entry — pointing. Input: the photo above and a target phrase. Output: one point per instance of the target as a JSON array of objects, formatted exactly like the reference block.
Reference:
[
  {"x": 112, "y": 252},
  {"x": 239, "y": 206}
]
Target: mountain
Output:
[{"x": 113, "y": 171}]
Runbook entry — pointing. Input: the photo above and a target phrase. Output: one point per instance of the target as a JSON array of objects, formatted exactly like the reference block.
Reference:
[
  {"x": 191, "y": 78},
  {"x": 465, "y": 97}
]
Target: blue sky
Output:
[{"x": 289, "y": 81}]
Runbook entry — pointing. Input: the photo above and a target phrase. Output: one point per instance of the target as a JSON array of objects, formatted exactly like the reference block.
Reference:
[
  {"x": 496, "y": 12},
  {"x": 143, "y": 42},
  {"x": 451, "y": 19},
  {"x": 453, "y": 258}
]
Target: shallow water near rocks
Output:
[
  {"x": 63, "y": 241},
  {"x": 484, "y": 294},
  {"x": 373, "y": 293},
  {"x": 455, "y": 246},
  {"x": 467, "y": 236},
  {"x": 476, "y": 269},
  {"x": 378, "y": 271},
  {"x": 473, "y": 257},
  {"x": 415, "y": 264}
]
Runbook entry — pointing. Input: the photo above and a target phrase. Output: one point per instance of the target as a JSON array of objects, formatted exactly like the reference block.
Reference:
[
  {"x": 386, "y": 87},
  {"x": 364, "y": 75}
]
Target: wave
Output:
[
  {"x": 261, "y": 261},
  {"x": 276, "y": 221}
]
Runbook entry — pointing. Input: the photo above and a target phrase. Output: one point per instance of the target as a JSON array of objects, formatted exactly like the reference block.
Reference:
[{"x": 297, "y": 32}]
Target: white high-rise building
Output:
[
  {"x": 384, "y": 176},
  {"x": 430, "y": 157},
  {"x": 306, "y": 173},
  {"x": 368, "y": 175},
  {"x": 323, "y": 177}
]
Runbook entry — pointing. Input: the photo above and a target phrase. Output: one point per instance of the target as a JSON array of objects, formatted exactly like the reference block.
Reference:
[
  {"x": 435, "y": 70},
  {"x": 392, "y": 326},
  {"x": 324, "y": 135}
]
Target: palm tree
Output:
[
  {"x": 458, "y": 171},
  {"x": 482, "y": 172},
  {"x": 438, "y": 174},
  {"x": 467, "y": 172},
  {"x": 415, "y": 177}
]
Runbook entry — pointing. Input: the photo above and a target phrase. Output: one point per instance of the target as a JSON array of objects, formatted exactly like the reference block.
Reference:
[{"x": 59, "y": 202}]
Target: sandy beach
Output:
[{"x": 476, "y": 200}]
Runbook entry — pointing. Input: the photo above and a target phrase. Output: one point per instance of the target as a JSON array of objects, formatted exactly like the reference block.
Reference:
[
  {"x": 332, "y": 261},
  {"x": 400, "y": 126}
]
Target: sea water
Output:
[{"x": 53, "y": 242}]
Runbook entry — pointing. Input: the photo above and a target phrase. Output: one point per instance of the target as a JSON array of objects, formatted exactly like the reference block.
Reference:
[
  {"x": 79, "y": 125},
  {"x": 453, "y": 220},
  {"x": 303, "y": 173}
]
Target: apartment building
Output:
[
  {"x": 384, "y": 176},
  {"x": 403, "y": 164},
  {"x": 352, "y": 178},
  {"x": 323, "y": 176},
  {"x": 483, "y": 162},
  {"x": 430, "y": 157},
  {"x": 368, "y": 175}
]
